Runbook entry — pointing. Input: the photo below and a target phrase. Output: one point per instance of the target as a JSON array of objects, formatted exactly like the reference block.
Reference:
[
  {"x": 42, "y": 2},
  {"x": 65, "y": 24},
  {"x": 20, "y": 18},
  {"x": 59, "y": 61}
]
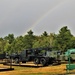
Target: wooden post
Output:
[{"x": 10, "y": 63}]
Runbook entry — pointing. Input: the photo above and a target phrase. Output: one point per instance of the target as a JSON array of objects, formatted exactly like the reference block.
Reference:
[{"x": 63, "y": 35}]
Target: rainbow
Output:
[{"x": 45, "y": 15}]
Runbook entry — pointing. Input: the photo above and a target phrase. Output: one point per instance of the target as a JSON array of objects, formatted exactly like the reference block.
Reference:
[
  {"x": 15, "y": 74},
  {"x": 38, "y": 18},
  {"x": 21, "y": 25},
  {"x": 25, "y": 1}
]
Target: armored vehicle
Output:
[{"x": 44, "y": 56}]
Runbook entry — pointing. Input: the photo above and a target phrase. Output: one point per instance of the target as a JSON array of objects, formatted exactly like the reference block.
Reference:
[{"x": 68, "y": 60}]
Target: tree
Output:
[
  {"x": 17, "y": 44},
  {"x": 9, "y": 38},
  {"x": 45, "y": 33},
  {"x": 30, "y": 33},
  {"x": 72, "y": 42},
  {"x": 51, "y": 39},
  {"x": 28, "y": 40},
  {"x": 63, "y": 38},
  {"x": 2, "y": 45}
]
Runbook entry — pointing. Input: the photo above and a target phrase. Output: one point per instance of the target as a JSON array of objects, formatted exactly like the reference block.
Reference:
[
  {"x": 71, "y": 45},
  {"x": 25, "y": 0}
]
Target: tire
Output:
[
  {"x": 23, "y": 61},
  {"x": 43, "y": 61},
  {"x": 36, "y": 61}
]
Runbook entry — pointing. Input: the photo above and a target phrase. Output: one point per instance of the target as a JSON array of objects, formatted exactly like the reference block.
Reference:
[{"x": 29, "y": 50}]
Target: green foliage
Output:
[
  {"x": 28, "y": 40},
  {"x": 2, "y": 45},
  {"x": 17, "y": 44},
  {"x": 45, "y": 34},
  {"x": 62, "y": 41},
  {"x": 9, "y": 38},
  {"x": 44, "y": 41},
  {"x": 30, "y": 33}
]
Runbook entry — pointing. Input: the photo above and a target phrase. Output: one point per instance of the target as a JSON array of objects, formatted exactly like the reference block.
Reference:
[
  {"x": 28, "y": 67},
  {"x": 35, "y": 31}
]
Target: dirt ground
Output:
[{"x": 22, "y": 70}]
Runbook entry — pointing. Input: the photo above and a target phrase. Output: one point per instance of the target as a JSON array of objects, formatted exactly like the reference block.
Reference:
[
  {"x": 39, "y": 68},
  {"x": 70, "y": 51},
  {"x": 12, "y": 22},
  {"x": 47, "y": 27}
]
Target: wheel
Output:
[
  {"x": 36, "y": 61},
  {"x": 23, "y": 61},
  {"x": 43, "y": 61}
]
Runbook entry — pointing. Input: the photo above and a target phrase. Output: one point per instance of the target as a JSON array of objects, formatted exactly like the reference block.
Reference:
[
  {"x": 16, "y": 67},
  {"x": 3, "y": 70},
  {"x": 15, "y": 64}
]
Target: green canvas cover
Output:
[{"x": 69, "y": 51}]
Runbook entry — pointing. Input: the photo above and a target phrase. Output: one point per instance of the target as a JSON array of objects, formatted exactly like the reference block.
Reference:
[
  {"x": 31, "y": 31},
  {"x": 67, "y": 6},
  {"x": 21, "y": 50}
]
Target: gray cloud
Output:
[
  {"x": 61, "y": 15},
  {"x": 18, "y": 16}
]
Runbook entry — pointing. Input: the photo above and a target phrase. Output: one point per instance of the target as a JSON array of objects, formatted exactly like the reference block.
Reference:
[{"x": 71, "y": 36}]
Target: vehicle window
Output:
[
  {"x": 42, "y": 52},
  {"x": 29, "y": 52}
]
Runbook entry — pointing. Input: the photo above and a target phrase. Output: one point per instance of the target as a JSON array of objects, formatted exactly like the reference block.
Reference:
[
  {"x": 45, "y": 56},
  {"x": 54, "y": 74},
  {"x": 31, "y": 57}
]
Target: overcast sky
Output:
[{"x": 19, "y": 16}]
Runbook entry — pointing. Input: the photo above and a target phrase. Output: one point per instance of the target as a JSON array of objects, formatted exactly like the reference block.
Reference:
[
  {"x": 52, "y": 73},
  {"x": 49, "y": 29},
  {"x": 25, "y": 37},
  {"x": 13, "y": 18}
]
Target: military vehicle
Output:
[
  {"x": 3, "y": 55},
  {"x": 70, "y": 53},
  {"x": 43, "y": 56}
]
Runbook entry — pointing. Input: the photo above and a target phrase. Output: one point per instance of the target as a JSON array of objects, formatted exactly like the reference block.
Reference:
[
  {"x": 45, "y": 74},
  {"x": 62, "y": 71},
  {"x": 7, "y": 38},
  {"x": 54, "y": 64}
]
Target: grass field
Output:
[{"x": 48, "y": 70}]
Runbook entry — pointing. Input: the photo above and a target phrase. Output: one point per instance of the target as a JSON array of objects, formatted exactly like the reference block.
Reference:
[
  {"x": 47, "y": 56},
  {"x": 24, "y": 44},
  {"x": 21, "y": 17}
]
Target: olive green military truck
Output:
[{"x": 44, "y": 56}]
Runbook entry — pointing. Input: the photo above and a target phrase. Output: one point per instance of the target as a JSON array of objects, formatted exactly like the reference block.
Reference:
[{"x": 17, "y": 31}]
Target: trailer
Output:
[{"x": 70, "y": 52}]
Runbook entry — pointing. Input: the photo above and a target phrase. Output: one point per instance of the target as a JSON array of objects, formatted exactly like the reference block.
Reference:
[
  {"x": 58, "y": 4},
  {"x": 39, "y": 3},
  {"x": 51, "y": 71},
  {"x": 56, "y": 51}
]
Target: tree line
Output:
[{"x": 62, "y": 41}]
